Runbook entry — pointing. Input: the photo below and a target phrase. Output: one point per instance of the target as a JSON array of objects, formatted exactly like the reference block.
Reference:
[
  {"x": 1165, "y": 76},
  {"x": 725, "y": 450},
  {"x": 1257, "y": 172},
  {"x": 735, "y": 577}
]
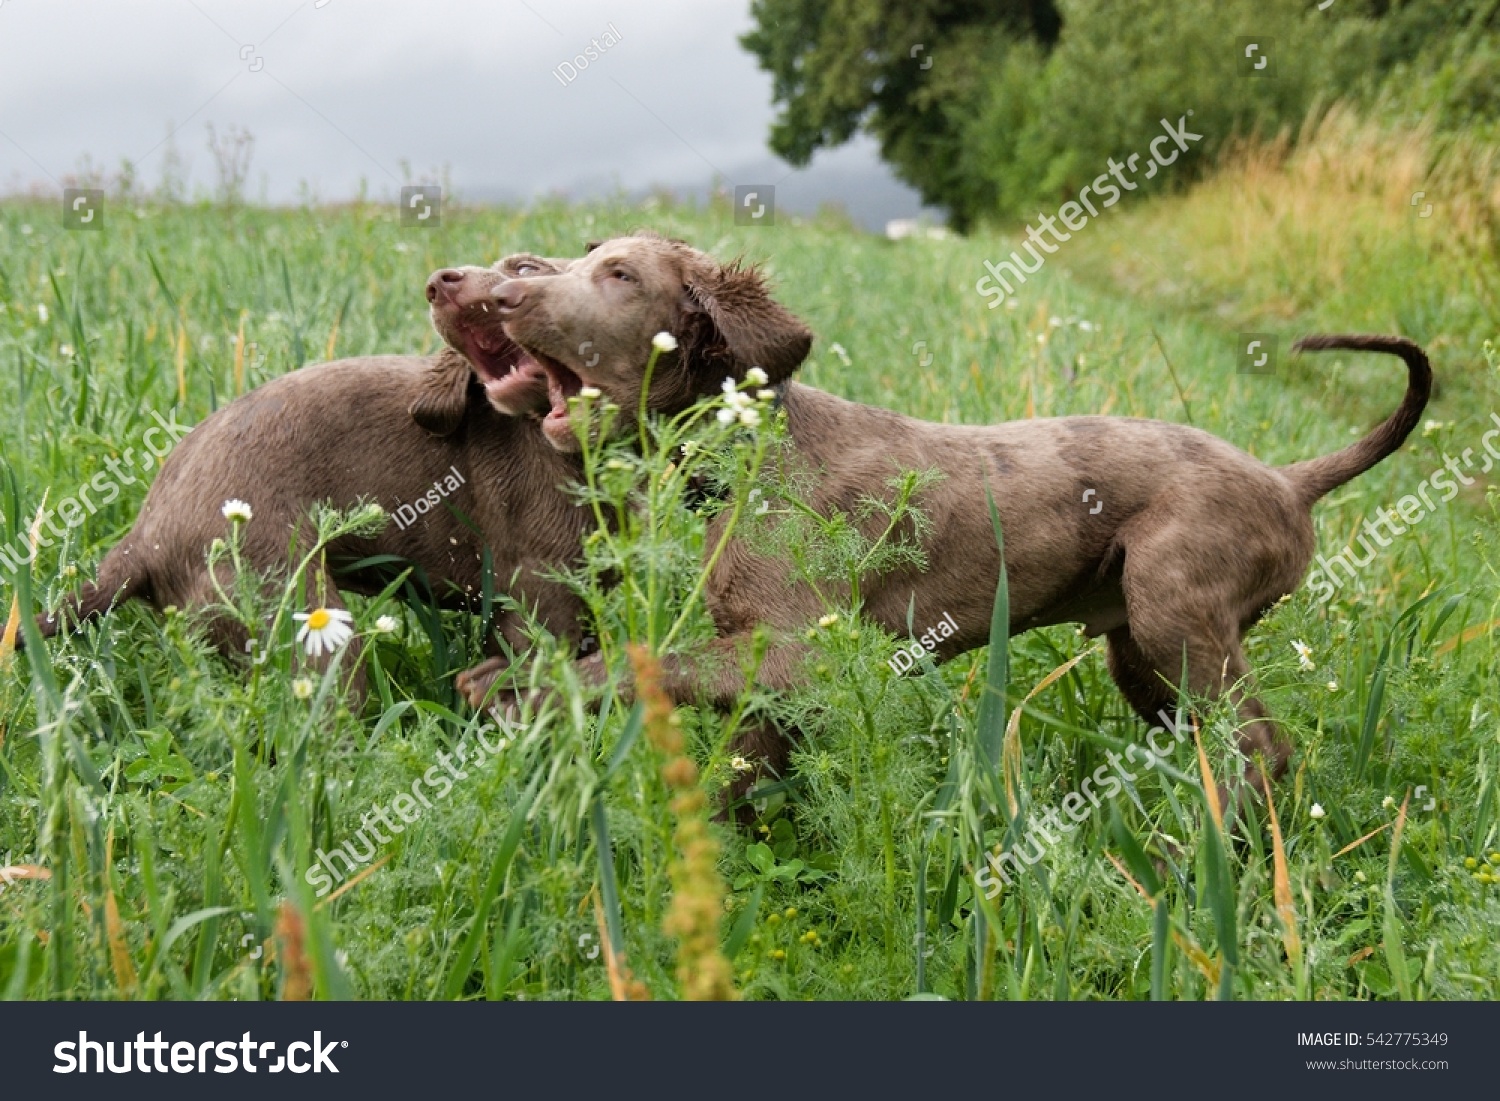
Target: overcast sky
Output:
[{"x": 339, "y": 90}]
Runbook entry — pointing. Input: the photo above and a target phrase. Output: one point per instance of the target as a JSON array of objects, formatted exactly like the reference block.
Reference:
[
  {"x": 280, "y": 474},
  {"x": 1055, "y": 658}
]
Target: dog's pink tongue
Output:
[{"x": 558, "y": 398}]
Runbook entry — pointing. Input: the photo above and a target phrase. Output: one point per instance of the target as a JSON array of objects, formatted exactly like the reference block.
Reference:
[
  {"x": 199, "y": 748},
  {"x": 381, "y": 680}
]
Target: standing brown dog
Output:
[{"x": 1195, "y": 539}]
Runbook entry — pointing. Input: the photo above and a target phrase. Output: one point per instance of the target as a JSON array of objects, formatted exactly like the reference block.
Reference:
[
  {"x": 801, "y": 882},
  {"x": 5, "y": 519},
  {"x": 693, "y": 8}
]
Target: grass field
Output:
[{"x": 158, "y": 807}]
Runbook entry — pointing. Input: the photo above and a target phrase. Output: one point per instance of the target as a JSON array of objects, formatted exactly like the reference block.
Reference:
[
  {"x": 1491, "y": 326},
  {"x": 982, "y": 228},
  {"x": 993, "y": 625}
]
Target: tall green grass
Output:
[{"x": 177, "y": 803}]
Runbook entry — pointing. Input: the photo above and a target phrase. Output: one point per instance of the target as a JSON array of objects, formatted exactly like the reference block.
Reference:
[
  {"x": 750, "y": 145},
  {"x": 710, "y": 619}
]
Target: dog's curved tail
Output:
[
  {"x": 120, "y": 580},
  {"x": 1313, "y": 478}
]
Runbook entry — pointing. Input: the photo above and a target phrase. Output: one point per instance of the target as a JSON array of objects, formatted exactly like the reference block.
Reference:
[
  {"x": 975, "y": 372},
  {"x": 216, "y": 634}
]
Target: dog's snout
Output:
[
  {"x": 510, "y": 294},
  {"x": 444, "y": 280}
]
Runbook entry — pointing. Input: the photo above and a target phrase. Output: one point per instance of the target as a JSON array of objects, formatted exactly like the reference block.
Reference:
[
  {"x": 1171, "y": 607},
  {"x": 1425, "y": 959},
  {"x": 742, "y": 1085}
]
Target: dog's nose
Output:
[
  {"x": 444, "y": 280},
  {"x": 510, "y": 294}
]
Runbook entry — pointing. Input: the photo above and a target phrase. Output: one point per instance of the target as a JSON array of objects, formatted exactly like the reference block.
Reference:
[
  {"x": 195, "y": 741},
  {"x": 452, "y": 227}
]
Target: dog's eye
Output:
[
  {"x": 622, "y": 275},
  {"x": 526, "y": 267}
]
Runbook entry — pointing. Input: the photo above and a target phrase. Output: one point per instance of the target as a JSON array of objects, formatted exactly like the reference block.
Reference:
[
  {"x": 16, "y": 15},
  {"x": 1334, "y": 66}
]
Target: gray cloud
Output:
[{"x": 347, "y": 92}]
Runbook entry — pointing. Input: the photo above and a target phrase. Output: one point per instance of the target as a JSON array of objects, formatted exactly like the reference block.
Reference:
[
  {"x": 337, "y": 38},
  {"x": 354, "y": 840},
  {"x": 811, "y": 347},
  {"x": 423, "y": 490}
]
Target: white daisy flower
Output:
[
  {"x": 386, "y": 625},
  {"x": 237, "y": 511},
  {"x": 756, "y": 377},
  {"x": 727, "y": 416},
  {"x": 828, "y": 620},
  {"x": 302, "y": 688},
  {"x": 739, "y": 764},
  {"x": 1317, "y": 812},
  {"x": 750, "y": 418},
  {"x": 765, "y": 395},
  {"x": 590, "y": 392},
  {"x": 324, "y": 629},
  {"x": 65, "y": 349},
  {"x": 664, "y": 342},
  {"x": 1304, "y": 654}
]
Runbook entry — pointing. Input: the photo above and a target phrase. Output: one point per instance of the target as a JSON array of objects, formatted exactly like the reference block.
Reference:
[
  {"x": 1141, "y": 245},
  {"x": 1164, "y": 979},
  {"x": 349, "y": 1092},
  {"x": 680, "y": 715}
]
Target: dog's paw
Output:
[{"x": 477, "y": 687}]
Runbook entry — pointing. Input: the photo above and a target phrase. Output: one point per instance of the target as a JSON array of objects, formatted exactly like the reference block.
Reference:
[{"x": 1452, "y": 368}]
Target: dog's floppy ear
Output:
[
  {"x": 752, "y": 327},
  {"x": 443, "y": 394}
]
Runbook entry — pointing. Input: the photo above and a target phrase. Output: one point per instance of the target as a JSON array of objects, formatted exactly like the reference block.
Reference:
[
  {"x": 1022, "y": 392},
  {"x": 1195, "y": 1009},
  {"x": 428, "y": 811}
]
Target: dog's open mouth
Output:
[
  {"x": 563, "y": 384},
  {"x": 513, "y": 380}
]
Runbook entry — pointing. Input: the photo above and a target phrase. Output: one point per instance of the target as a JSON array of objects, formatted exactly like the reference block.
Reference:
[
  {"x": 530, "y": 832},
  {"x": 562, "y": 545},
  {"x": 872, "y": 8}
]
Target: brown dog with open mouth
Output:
[
  {"x": 1195, "y": 541},
  {"x": 440, "y": 442}
]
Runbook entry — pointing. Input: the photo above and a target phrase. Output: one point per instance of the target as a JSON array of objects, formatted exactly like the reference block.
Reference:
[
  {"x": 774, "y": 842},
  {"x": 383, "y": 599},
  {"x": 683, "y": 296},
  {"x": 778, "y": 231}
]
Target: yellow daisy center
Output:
[{"x": 319, "y": 619}]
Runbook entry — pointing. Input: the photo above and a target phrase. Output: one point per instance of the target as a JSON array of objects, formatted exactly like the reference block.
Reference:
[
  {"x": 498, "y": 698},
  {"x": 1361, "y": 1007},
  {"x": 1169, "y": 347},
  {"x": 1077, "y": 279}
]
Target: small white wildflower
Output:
[
  {"x": 733, "y": 397},
  {"x": 1431, "y": 426},
  {"x": 25, "y": 230},
  {"x": 1317, "y": 812},
  {"x": 1086, "y": 326},
  {"x": 65, "y": 350},
  {"x": 1054, "y": 323},
  {"x": 756, "y": 377},
  {"x": 590, "y": 392},
  {"x": 1333, "y": 686},
  {"x": 1041, "y": 338},
  {"x": 302, "y": 688},
  {"x": 1304, "y": 654},
  {"x": 1012, "y": 304},
  {"x": 750, "y": 418},
  {"x": 664, "y": 342},
  {"x": 727, "y": 416},
  {"x": 828, "y": 620},
  {"x": 324, "y": 628},
  {"x": 386, "y": 625},
  {"x": 41, "y": 312},
  {"x": 739, "y": 764},
  {"x": 1359, "y": 877},
  {"x": 1389, "y": 802},
  {"x": 237, "y": 511},
  {"x": 765, "y": 395}
]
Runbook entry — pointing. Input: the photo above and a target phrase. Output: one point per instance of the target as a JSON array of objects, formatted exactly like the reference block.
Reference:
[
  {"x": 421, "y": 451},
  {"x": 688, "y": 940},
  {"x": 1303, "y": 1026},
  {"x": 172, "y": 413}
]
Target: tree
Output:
[{"x": 903, "y": 70}]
